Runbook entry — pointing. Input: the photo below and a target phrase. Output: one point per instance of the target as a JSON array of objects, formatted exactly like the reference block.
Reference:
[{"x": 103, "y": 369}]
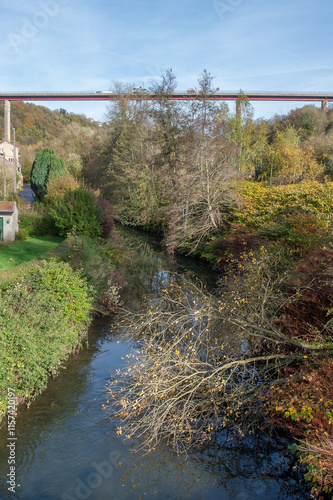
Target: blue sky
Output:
[{"x": 60, "y": 45}]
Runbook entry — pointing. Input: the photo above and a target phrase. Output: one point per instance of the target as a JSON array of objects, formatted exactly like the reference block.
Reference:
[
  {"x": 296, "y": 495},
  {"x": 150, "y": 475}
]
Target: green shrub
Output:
[
  {"x": 22, "y": 234},
  {"x": 296, "y": 216},
  {"x": 44, "y": 314},
  {"x": 78, "y": 213},
  {"x": 37, "y": 225}
]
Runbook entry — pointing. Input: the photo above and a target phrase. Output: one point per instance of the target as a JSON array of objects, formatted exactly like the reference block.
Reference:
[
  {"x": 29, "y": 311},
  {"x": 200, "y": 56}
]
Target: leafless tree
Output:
[
  {"x": 204, "y": 362},
  {"x": 205, "y": 193}
]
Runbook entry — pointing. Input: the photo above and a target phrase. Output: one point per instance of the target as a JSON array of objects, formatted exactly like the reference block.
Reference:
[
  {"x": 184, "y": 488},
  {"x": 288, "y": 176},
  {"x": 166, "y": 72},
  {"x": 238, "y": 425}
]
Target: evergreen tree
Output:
[
  {"x": 78, "y": 213},
  {"x": 169, "y": 126},
  {"x": 45, "y": 167}
]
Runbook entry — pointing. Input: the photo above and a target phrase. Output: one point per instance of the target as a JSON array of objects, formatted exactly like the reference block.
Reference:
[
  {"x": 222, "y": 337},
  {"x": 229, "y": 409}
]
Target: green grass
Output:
[
  {"x": 61, "y": 251},
  {"x": 14, "y": 253}
]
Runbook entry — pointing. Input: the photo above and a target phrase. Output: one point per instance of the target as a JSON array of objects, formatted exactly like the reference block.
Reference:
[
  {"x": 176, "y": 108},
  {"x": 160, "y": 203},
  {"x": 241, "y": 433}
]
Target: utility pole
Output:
[
  {"x": 15, "y": 168},
  {"x": 4, "y": 176}
]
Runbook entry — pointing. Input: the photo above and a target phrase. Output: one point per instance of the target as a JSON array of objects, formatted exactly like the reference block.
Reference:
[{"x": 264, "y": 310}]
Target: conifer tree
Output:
[{"x": 45, "y": 167}]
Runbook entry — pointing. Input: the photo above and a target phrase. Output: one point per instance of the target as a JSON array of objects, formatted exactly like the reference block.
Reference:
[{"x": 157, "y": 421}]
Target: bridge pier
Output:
[
  {"x": 239, "y": 107},
  {"x": 7, "y": 121},
  {"x": 324, "y": 105}
]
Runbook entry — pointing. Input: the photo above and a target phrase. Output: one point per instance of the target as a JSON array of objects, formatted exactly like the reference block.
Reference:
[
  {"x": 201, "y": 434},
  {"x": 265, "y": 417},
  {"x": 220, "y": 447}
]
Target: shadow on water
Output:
[
  {"x": 67, "y": 449},
  {"x": 27, "y": 194}
]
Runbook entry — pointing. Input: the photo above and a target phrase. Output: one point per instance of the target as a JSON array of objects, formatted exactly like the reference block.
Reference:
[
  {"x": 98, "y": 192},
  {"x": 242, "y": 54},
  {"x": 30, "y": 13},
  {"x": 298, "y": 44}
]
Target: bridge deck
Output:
[{"x": 143, "y": 95}]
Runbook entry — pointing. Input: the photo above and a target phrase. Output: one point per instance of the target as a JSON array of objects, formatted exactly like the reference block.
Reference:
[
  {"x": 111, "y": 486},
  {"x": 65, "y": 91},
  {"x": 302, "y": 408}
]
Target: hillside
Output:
[
  {"x": 38, "y": 127},
  {"x": 37, "y": 124}
]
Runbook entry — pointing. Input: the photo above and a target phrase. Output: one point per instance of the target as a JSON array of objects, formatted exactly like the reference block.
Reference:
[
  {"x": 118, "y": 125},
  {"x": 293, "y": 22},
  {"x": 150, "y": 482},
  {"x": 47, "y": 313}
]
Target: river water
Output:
[{"x": 66, "y": 448}]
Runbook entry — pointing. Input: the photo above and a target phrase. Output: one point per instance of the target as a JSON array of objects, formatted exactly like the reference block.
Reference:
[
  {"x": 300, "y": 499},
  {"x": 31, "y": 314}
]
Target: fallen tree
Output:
[{"x": 205, "y": 362}]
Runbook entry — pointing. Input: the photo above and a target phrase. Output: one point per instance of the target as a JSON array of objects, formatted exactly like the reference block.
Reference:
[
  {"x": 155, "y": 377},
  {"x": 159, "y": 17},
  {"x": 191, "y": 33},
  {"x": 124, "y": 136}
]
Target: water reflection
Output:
[{"x": 67, "y": 449}]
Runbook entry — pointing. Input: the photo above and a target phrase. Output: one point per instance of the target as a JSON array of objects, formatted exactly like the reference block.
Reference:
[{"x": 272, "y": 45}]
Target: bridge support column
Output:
[
  {"x": 324, "y": 105},
  {"x": 239, "y": 106},
  {"x": 7, "y": 121}
]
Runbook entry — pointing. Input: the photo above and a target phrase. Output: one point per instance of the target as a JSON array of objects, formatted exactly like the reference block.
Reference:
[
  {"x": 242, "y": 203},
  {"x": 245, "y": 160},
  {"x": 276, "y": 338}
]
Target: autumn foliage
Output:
[{"x": 205, "y": 362}]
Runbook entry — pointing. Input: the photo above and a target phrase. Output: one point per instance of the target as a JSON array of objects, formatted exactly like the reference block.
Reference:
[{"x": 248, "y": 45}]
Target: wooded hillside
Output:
[
  {"x": 37, "y": 126},
  {"x": 34, "y": 123}
]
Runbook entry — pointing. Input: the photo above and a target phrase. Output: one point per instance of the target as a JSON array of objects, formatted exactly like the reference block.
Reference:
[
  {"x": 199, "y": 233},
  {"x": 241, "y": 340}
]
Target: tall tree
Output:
[
  {"x": 205, "y": 112},
  {"x": 129, "y": 180},
  {"x": 205, "y": 193},
  {"x": 241, "y": 132},
  {"x": 45, "y": 167},
  {"x": 169, "y": 125}
]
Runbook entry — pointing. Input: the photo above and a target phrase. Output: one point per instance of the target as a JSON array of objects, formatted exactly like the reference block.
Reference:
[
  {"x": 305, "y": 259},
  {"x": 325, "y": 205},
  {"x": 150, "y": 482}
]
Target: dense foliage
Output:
[
  {"x": 180, "y": 168},
  {"x": 46, "y": 167},
  {"x": 44, "y": 314},
  {"x": 78, "y": 212},
  {"x": 37, "y": 225},
  {"x": 296, "y": 216}
]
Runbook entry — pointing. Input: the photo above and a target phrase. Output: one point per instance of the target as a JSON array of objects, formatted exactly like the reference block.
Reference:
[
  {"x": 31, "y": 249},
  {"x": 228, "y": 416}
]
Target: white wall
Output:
[{"x": 10, "y": 228}]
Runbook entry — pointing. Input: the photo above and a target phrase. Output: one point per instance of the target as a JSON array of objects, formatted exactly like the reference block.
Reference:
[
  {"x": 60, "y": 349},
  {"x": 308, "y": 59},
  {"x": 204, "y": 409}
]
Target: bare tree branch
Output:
[{"x": 204, "y": 361}]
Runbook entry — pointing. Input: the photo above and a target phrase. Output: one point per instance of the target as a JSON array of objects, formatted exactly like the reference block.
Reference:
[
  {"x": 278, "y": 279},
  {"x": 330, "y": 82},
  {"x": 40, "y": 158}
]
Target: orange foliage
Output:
[{"x": 58, "y": 186}]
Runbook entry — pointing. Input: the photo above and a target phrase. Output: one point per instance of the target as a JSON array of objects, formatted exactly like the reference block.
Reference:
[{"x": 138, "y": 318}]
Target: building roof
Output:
[{"x": 7, "y": 206}]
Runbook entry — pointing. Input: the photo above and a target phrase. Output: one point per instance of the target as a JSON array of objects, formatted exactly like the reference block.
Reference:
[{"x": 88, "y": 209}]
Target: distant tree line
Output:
[{"x": 180, "y": 167}]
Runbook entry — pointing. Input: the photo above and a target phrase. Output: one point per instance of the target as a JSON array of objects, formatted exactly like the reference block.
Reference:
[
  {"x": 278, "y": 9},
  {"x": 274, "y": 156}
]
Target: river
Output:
[{"x": 66, "y": 448}]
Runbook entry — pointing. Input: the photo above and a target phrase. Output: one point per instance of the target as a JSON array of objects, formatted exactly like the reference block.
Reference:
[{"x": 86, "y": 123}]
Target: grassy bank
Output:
[
  {"x": 15, "y": 253},
  {"x": 46, "y": 305},
  {"x": 44, "y": 314}
]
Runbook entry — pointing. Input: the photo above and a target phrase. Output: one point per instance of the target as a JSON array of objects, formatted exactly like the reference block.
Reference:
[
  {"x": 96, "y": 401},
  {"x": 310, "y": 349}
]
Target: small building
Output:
[
  {"x": 7, "y": 149},
  {"x": 8, "y": 220},
  {"x": 10, "y": 162}
]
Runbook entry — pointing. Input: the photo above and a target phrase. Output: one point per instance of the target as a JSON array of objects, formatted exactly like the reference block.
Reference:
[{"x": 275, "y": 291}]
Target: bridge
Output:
[{"x": 142, "y": 94}]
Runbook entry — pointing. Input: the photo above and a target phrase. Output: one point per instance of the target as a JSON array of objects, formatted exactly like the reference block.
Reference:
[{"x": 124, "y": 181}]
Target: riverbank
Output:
[
  {"x": 45, "y": 310},
  {"x": 302, "y": 409},
  {"x": 67, "y": 447},
  {"x": 46, "y": 307}
]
